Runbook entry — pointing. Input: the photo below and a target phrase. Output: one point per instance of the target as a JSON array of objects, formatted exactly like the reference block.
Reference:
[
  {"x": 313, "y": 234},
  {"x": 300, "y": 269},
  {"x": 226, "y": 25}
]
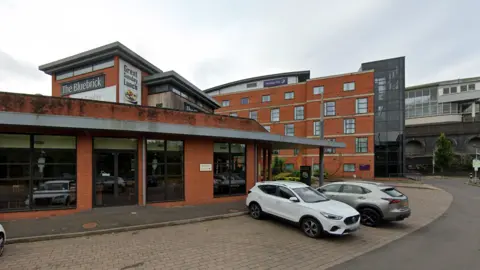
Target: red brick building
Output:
[
  {"x": 289, "y": 104},
  {"x": 120, "y": 131}
]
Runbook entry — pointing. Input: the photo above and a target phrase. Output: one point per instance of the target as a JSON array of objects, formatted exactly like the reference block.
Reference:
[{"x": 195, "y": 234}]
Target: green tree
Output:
[
  {"x": 277, "y": 165},
  {"x": 444, "y": 152}
]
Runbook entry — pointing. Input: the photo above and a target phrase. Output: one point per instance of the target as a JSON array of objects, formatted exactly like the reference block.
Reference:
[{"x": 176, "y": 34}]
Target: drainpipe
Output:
[{"x": 144, "y": 171}]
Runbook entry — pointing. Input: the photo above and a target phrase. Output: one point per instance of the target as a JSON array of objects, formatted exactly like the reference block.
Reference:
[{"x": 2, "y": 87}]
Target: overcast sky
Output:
[{"x": 213, "y": 42}]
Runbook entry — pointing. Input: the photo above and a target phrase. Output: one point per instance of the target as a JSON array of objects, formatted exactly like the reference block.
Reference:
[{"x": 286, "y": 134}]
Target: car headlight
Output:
[{"x": 331, "y": 216}]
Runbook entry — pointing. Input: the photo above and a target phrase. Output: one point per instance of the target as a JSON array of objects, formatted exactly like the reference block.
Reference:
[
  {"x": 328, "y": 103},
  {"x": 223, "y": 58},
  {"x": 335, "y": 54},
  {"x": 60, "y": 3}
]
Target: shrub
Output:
[{"x": 281, "y": 176}]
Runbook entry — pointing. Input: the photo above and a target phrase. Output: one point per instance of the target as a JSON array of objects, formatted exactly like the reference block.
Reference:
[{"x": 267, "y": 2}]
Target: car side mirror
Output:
[{"x": 294, "y": 199}]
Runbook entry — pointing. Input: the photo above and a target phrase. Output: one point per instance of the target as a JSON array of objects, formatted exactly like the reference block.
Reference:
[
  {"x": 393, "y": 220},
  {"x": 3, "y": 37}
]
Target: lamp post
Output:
[{"x": 321, "y": 133}]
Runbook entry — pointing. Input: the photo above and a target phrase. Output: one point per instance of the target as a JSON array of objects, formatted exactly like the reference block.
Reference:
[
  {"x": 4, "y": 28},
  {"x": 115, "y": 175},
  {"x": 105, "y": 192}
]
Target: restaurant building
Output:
[{"x": 118, "y": 131}]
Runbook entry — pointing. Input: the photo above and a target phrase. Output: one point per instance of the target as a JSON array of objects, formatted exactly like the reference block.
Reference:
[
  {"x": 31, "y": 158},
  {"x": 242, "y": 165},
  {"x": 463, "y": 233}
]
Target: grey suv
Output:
[{"x": 374, "y": 201}]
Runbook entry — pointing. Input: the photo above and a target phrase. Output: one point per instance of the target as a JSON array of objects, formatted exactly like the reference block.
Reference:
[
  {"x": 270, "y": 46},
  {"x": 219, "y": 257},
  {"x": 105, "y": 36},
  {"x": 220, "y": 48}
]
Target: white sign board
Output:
[
  {"x": 476, "y": 164},
  {"x": 205, "y": 167},
  {"x": 108, "y": 94},
  {"x": 130, "y": 81}
]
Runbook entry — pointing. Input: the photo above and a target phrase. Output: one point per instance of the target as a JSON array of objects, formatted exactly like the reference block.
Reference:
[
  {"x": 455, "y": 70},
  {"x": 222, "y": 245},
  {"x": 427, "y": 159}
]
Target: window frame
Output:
[
  {"x": 328, "y": 106},
  {"x": 315, "y": 88},
  {"x": 250, "y": 113},
  {"x": 230, "y": 168},
  {"x": 296, "y": 113},
  {"x": 233, "y": 114},
  {"x": 244, "y": 101},
  {"x": 346, "y": 86},
  {"x": 329, "y": 150},
  {"x": 271, "y": 115},
  {"x": 349, "y": 164},
  {"x": 287, "y": 126},
  {"x": 268, "y": 128},
  {"x": 165, "y": 163},
  {"x": 227, "y": 102},
  {"x": 265, "y": 97},
  {"x": 347, "y": 127},
  {"x": 286, "y": 95},
  {"x": 315, "y": 131},
  {"x": 31, "y": 180},
  {"x": 361, "y": 145},
  {"x": 359, "y": 102}
]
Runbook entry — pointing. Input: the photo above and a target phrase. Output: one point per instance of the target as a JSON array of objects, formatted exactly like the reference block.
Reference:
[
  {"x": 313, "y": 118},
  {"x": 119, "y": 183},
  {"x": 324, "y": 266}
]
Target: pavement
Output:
[
  {"x": 234, "y": 243},
  {"x": 115, "y": 219},
  {"x": 451, "y": 242}
]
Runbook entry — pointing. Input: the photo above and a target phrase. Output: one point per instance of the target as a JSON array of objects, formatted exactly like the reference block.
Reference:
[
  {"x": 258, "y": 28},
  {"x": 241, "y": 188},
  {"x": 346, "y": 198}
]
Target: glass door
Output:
[{"x": 115, "y": 181}]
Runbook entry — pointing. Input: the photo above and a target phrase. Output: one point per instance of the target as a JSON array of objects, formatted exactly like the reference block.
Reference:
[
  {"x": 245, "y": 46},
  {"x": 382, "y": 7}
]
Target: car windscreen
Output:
[
  {"x": 393, "y": 192},
  {"x": 310, "y": 195}
]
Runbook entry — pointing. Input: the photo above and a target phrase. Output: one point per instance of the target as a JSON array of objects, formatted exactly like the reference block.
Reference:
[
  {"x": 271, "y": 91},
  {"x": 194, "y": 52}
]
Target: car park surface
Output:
[{"x": 234, "y": 243}]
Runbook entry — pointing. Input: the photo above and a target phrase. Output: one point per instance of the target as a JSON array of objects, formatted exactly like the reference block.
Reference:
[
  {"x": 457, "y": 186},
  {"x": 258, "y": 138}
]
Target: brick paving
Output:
[{"x": 235, "y": 243}]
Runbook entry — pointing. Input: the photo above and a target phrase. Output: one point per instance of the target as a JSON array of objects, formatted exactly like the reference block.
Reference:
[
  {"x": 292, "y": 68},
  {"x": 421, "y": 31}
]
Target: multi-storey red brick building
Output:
[{"x": 289, "y": 104}]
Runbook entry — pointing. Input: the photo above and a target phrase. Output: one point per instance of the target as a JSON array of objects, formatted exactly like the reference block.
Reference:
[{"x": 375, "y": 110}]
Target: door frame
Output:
[{"x": 115, "y": 166}]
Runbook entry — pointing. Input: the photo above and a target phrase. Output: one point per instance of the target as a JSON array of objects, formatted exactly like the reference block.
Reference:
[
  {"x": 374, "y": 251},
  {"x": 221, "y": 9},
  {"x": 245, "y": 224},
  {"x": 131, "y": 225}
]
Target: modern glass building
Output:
[{"x": 389, "y": 116}]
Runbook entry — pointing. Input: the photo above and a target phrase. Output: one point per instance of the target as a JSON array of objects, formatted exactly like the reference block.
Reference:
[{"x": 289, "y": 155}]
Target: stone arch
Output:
[
  {"x": 414, "y": 148},
  {"x": 471, "y": 144}
]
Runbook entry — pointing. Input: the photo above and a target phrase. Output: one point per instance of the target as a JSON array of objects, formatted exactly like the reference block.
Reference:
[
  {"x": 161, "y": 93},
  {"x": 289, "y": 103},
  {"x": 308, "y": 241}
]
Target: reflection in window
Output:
[
  {"x": 348, "y": 167},
  {"x": 275, "y": 115},
  {"x": 329, "y": 108},
  {"x": 165, "y": 177},
  {"x": 229, "y": 169},
  {"x": 329, "y": 150},
  {"x": 349, "y": 126},
  {"x": 50, "y": 180}
]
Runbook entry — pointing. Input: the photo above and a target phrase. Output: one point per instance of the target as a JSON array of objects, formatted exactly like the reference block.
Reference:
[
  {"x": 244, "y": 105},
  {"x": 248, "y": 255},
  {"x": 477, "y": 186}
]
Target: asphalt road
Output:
[{"x": 450, "y": 242}]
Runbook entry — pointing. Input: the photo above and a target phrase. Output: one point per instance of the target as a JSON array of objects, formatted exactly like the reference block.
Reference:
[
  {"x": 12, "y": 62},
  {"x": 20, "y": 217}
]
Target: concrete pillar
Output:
[
  {"x": 264, "y": 169},
  {"x": 320, "y": 166}
]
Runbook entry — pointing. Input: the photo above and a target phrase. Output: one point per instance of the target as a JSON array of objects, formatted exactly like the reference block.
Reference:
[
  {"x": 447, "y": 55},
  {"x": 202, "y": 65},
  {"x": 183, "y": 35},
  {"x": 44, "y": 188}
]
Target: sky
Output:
[{"x": 211, "y": 42}]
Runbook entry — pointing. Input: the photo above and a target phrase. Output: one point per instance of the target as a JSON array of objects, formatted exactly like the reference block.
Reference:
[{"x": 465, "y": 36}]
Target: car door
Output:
[
  {"x": 287, "y": 209},
  {"x": 268, "y": 198},
  {"x": 351, "y": 194},
  {"x": 331, "y": 190}
]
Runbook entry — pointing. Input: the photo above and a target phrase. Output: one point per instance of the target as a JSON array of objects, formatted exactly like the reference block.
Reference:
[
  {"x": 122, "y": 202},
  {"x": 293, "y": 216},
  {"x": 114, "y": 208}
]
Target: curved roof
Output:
[{"x": 303, "y": 76}]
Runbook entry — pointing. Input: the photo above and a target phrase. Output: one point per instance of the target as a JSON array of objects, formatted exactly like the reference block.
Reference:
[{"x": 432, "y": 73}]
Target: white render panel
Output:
[{"x": 243, "y": 86}]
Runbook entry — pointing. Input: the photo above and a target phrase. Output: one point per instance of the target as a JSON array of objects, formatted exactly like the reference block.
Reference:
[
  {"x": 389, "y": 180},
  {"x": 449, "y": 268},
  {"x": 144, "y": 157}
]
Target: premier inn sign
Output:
[{"x": 83, "y": 85}]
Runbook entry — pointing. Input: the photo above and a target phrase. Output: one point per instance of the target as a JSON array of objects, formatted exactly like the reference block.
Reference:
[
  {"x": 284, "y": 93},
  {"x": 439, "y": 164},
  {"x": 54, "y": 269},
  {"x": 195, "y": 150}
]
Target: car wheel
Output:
[
  {"x": 2, "y": 243},
  {"x": 255, "y": 210},
  {"x": 369, "y": 217},
  {"x": 312, "y": 227}
]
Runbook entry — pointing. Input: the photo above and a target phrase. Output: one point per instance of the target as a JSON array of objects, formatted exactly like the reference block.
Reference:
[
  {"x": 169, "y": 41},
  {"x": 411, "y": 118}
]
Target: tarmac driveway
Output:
[{"x": 234, "y": 243}]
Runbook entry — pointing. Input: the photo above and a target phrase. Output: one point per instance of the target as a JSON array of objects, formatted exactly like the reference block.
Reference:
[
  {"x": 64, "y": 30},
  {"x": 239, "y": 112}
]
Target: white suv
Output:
[
  {"x": 3, "y": 239},
  {"x": 301, "y": 204}
]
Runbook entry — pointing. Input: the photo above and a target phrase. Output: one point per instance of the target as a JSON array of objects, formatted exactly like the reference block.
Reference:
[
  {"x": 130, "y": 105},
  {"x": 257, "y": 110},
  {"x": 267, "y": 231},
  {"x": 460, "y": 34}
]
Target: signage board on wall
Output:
[
  {"x": 130, "y": 81},
  {"x": 205, "y": 167},
  {"x": 108, "y": 94},
  {"x": 275, "y": 82},
  {"x": 83, "y": 85}
]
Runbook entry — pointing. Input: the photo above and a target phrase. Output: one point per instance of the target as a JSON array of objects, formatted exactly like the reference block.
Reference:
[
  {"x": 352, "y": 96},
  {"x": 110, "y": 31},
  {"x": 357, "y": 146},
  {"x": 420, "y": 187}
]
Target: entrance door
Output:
[{"x": 115, "y": 178}]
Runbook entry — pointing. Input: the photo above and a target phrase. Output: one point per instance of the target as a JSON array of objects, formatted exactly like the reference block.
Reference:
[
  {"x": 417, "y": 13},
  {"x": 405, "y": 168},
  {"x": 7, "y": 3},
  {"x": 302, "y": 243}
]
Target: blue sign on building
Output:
[{"x": 275, "y": 82}]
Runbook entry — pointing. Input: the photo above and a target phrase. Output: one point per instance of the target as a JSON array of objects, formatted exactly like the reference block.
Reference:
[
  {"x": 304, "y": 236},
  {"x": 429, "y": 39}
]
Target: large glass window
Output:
[
  {"x": 361, "y": 145},
  {"x": 275, "y": 115},
  {"x": 229, "y": 169},
  {"x": 350, "y": 86},
  {"x": 165, "y": 173},
  {"x": 37, "y": 172},
  {"x": 253, "y": 115},
  {"x": 289, "y": 95}
]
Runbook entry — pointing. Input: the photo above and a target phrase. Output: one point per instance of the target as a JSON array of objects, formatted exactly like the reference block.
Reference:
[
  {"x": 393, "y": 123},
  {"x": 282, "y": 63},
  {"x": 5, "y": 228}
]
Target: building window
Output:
[
  {"x": 159, "y": 105},
  {"x": 64, "y": 75},
  {"x": 275, "y": 115},
  {"x": 463, "y": 88},
  {"x": 299, "y": 113},
  {"x": 85, "y": 69},
  {"x": 289, "y": 130},
  {"x": 251, "y": 85},
  {"x": 266, "y": 98},
  {"x": 289, "y": 95},
  {"x": 361, "y": 106},
  {"x": 234, "y": 114},
  {"x": 330, "y": 150},
  {"x": 189, "y": 108},
  {"x": 349, "y": 126},
  {"x": 329, "y": 108},
  {"x": 446, "y": 91},
  {"x": 244, "y": 100},
  {"x": 253, "y": 115},
  {"x": 296, "y": 152},
  {"x": 275, "y": 152},
  {"x": 471, "y": 87},
  {"x": 361, "y": 145},
  {"x": 289, "y": 167},
  {"x": 316, "y": 167},
  {"x": 318, "y": 90},
  {"x": 453, "y": 90},
  {"x": 165, "y": 171},
  {"x": 267, "y": 128},
  {"x": 316, "y": 128},
  {"x": 37, "y": 172},
  {"x": 225, "y": 103},
  {"x": 350, "y": 86},
  {"x": 349, "y": 167},
  {"x": 229, "y": 169}
]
